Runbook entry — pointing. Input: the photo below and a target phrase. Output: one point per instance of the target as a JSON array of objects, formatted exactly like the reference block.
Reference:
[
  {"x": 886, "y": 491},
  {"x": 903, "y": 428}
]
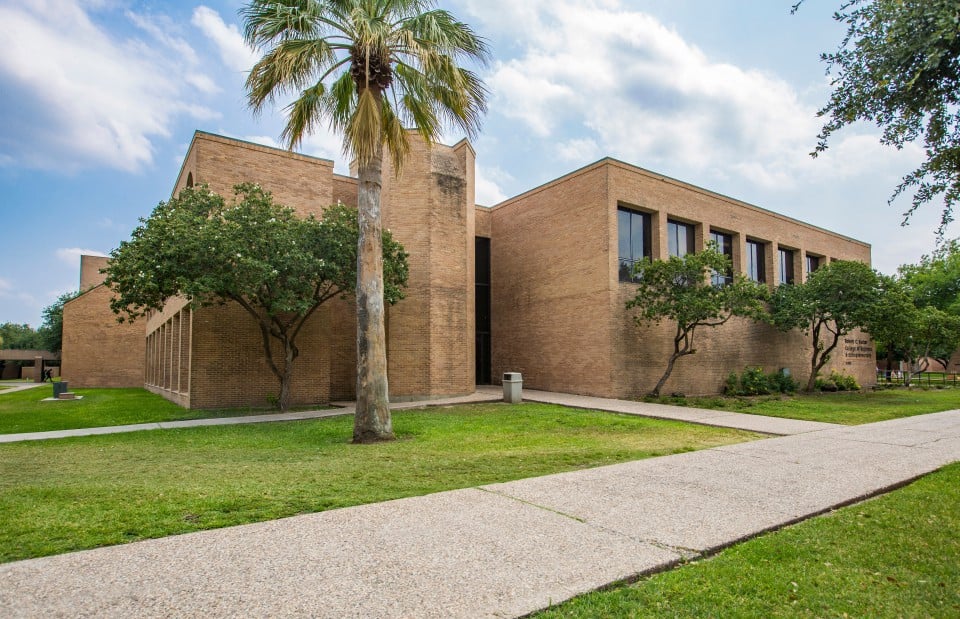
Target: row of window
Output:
[{"x": 633, "y": 231}]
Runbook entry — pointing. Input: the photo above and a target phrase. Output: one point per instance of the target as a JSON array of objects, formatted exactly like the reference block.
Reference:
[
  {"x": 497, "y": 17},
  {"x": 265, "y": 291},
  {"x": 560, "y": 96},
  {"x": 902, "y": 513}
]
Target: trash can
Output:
[
  {"x": 59, "y": 388},
  {"x": 512, "y": 387}
]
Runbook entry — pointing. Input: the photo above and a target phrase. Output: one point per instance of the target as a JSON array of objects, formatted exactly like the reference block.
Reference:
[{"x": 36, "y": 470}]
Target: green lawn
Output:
[
  {"x": 846, "y": 408},
  {"x": 25, "y": 411},
  {"x": 70, "y": 494},
  {"x": 895, "y": 556}
]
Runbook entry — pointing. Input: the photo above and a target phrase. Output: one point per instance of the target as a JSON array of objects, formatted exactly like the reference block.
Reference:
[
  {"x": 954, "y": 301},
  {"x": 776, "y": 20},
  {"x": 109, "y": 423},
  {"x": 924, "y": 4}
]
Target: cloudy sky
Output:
[{"x": 99, "y": 100}]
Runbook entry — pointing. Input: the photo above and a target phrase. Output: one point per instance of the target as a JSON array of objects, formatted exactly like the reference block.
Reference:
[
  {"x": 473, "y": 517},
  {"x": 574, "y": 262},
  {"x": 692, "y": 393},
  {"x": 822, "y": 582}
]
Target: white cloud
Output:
[
  {"x": 202, "y": 82},
  {"x": 70, "y": 256},
  {"x": 579, "y": 150},
  {"x": 77, "y": 96},
  {"x": 234, "y": 52},
  {"x": 596, "y": 77},
  {"x": 487, "y": 185},
  {"x": 159, "y": 29}
]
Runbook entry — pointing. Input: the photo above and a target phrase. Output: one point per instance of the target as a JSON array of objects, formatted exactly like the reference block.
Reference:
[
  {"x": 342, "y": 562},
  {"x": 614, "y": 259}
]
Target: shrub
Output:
[
  {"x": 837, "y": 382},
  {"x": 844, "y": 381},
  {"x": 783, "y": 382},
  {"x": 754, "y": 382}
]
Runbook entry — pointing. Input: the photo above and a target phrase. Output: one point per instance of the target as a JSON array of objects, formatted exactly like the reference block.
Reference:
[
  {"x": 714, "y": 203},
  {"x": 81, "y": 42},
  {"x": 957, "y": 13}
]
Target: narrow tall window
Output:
[
  {"x": 679, "y": 238},
  {"x": 813, "y": 263},
  {"x": 786, "y": 266},
  {"x": 633, "y": 240},
  {"x": 724, "y": 243},
  {"x": 755, "y": 270}
]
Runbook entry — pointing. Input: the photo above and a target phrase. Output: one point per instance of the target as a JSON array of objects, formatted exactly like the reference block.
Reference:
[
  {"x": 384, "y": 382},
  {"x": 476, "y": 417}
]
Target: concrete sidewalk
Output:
[
  {"x": 495, "y": 551},
  {"x": 343, "y": 408},
  {"x": 15, "y": 387},
  {"x": 484, "y": 393},
  {"x": 723, "y": 419}
]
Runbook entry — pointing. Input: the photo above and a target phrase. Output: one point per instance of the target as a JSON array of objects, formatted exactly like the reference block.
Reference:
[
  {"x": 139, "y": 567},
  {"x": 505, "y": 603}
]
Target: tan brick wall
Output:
[
  {"x": 550, "y": 286},
  {"x": 90, "y": 274},
  {"x": 229, "y": 367},
  {"x": 298, "y": 181},
  {"x": 482, "y": 221},
  {"x": 97, "y": 350},
  {"x": 344, "y": 190},
  {"x": 430, "y": 209},
  {"x": 641, "y": 354},
  {"x": 559, "y": 312}
]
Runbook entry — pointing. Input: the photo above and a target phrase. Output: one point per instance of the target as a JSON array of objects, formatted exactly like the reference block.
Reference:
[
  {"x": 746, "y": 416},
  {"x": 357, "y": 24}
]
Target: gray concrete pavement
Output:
[
  {"x": 723, "y": 419},
  {"x": 501, "y": 550},
  {"x": 754, "y": 423},
  {"x": 343, "y": 408},
  {"x": 11, "y": 387}
]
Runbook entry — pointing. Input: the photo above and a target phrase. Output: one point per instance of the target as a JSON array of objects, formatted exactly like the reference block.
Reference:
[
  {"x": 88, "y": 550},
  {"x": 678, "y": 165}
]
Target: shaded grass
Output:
[
  {"x": 850, "y": 408},
  {"x": 70, "y": 494},
  {"x": 25, "y": 411},
  {"x": 894, "y": 556}
]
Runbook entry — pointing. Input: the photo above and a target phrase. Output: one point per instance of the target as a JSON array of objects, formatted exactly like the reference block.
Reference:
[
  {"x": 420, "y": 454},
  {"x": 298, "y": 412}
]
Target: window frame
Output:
[
  {"x": 785, "y": 268},
  {"x": 625, "y": 263},
  {"x": 726, "y": 248},
  {"x": 759, "y": 274},
  {"x": 691, "y": 233}
]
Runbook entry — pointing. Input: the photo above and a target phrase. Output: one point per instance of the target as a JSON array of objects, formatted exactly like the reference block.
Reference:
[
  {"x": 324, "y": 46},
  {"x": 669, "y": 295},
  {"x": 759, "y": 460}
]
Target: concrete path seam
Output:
[{"x": 532, "y": 504}]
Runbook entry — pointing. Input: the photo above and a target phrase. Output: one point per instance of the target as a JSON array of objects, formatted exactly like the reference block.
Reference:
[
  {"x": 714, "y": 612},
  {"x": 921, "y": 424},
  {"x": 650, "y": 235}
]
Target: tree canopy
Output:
[
  {"x": 680, "y": 290},
  {"x": 277, "y": 266},
  {"x": 836, "y": 299},
  {"x": 19, "y": 337},
  {"x": 369, "y": 69},
  {"x": 898, "y": 66},
  {"x": 51, "y": 331}
]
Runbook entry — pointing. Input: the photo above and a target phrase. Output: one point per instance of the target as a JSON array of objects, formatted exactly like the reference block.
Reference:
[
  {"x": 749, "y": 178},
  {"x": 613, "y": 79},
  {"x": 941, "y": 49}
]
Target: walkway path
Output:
[
  {"x": 501, "y": 550},
  {"x": 755, "y": 423},
  {"x": 343, "y": 408},
  {"x": 14, "y": 387}
]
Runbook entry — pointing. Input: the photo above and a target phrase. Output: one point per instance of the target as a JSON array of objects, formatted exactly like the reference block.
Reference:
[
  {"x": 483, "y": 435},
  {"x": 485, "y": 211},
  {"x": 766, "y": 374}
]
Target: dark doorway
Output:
[{"x": 482, "y": 304}]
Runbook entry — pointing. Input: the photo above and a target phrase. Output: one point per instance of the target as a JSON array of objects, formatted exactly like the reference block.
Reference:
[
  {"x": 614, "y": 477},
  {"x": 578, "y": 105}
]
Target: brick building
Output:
[{"x": 536, "y": 284}]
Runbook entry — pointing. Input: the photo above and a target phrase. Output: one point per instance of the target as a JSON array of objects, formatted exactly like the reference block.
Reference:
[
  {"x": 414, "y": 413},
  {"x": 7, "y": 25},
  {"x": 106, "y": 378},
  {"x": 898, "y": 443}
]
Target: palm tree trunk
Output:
[{"x": 372, "y": 420}]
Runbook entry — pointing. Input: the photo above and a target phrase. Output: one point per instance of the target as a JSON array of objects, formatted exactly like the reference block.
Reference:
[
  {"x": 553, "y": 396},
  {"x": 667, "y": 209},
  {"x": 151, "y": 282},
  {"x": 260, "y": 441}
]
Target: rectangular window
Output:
[
  {"x": 755, "y": 270},
  {"x": 786, "y": 266},
  {"x": 633, "y": 240},
  {"x": 724, "y": 243},
  {"x": 813, "y": 263},
  {"x": 679, "y": 238}
]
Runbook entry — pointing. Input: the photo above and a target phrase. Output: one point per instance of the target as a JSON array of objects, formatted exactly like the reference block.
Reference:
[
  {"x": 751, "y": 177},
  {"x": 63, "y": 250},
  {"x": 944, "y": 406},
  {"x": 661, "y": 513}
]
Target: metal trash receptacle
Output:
[
  {"x": 512, "y": 387},
  {"x": 59, "y": 388}
]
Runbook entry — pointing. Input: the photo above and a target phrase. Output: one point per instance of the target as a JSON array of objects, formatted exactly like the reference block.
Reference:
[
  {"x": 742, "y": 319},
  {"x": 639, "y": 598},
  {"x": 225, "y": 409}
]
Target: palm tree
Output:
[{"x": 369, "y": 69}]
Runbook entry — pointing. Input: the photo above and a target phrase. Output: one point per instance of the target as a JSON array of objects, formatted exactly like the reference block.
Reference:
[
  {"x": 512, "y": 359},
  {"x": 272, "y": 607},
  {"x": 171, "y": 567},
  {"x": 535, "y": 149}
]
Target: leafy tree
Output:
[
  {"x": 898, "y": 66},
  {"x": 368, "y": 68},
  {"x": 19, "y": 337},
  {"x": 51, "y": 331},
  {"x": 935, "y": 281},
  {"x": 893, "y": 315},
  {"x": 836, "y": 299},
  {"x": 679, "y": 290},
  {"x": 275, "y": 265}
]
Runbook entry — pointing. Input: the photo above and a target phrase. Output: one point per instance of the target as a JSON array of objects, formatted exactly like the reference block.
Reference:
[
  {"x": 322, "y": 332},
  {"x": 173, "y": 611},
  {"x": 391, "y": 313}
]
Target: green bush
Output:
[
  {"x": 837, "y": 382},
  {"x": 754, "y": 382}
]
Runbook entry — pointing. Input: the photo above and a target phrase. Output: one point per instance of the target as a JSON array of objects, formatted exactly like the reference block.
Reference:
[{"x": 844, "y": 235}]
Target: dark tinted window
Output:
[
  {"x": 633, "y": 240},
  {"x": 755, "y": 270},
  {"x": 679, "y": 238},
  {"x": 786, "y": 266},
  {"x": 724, "y": 243}
]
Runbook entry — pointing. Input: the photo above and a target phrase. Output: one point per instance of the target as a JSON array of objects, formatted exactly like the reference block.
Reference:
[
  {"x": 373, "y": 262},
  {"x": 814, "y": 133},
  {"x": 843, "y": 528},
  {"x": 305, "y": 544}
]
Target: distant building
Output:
[{"x": 536, "y": 284}]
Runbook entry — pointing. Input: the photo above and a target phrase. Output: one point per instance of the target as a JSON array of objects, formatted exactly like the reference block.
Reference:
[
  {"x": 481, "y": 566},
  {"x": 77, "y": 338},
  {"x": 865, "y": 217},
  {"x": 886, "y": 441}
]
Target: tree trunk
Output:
[
  {"x": 372, "y": 420},
  {"x": 286, "y": 375},
  {"x": 663, "y": 379}
]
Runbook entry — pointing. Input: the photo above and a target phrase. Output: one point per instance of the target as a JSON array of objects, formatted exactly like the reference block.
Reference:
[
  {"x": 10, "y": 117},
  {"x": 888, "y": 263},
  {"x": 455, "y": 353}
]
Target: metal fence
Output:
[{"x": 922, "y": 379}]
